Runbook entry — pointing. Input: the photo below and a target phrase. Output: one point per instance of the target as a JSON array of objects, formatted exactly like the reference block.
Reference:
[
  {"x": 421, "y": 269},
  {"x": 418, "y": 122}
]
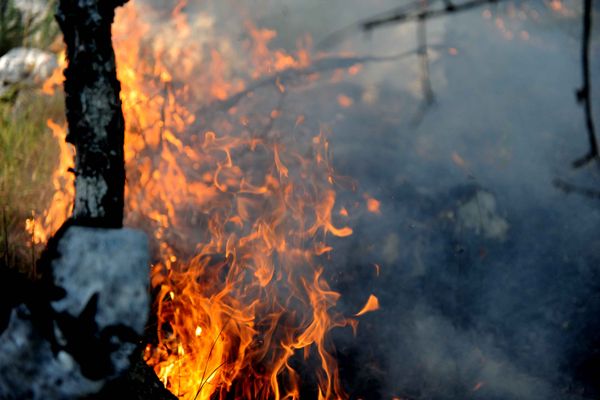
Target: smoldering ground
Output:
[{"x": 489, "y": 279}]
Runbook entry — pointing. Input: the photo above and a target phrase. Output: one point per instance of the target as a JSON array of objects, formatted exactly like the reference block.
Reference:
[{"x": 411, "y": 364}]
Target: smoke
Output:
[
  {"x": 488, "y": 279},
  {"x": 489, "y": 272}
]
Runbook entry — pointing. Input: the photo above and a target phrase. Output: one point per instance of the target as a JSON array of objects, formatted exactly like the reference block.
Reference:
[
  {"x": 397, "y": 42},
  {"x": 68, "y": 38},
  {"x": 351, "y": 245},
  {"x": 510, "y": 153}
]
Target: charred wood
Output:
[
  {"x": 140, "y": 382},
  {"x": 94, "y": 114},
  {"x": 72, "y": 331}
]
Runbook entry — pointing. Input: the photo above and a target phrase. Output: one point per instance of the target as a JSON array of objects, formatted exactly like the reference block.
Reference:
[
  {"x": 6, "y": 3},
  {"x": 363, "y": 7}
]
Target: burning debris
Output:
[
  {"x": 238, "y": 208},
  {"x": 240, "y": 204}
]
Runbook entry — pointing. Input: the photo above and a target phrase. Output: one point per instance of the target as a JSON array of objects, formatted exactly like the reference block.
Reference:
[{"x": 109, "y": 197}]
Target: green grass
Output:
[
  {"x": 28, "y": 156},
  {"x": 28, "y": 151}
]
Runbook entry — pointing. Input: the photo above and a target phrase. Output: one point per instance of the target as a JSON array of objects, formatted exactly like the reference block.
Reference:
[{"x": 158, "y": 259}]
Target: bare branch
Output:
[
  {"x": 399, "y": 16},
  {"x": 583, "y": 94}
]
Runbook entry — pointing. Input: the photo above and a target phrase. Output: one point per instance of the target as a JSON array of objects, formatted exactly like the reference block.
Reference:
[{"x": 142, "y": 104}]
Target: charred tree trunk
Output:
[{"x": 94, "y": 114}]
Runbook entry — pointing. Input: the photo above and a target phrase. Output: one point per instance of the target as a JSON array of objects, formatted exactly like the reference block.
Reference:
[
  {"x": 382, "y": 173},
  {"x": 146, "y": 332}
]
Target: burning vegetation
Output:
[
  {"x": 235, "y": 186},
  {"x": 239, "y": 210}
]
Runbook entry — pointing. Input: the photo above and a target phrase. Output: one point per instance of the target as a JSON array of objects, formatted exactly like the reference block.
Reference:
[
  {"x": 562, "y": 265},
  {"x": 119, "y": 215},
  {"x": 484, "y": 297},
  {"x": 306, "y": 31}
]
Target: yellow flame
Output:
[
  {"x": 371, "y": 305},
  {"x": 239, "y": 216}
]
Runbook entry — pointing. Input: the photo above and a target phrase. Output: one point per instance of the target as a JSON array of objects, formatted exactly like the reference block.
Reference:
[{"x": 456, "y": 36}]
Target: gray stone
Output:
[
  {"x": 111, "y": 262},
  {"x": 30, "y": 370},
  {"x": 25, "y": 65},
  {"x": 109, "y": 265}
]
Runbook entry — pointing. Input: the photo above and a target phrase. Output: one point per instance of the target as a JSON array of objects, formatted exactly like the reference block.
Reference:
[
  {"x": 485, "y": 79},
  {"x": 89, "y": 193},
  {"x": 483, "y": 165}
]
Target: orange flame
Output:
[
  {"x": 56, "y": 79},
  {"x": 64, "y": 190},
  {"x": 373, "y": 205},
  {"x": 345, "y": 101},
  {"x": 371, "y": 305},
  {"x": 239, "y": 215}
]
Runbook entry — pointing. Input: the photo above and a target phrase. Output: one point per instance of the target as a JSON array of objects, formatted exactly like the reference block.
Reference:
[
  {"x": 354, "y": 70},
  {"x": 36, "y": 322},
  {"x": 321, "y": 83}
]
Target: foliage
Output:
[
  {"x": 11, "y": 27},
  {"x": 17, "y": 29},
  {"x": 28, "y": 153}
]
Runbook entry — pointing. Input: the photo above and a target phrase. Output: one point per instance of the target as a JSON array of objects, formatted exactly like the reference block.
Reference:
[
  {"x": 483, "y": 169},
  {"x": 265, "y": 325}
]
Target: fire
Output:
[
  {"x": 63, "y": 182},
  {"x": 239, "y": 208},
  {"x": 373, "y": 205},
  {"x": 56, "y": 79},
  {"x": 344, "y": 101},
  {"x": 371, "y": 305},
  {"x": 556, "y": 5}
]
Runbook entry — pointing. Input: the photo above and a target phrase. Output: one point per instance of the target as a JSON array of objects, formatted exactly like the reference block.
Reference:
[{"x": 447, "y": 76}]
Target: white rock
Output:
[
  {"x": 26, "y": 65},
  {"x": 113, "y": 263},
  {"x": 109, "y": 266}
]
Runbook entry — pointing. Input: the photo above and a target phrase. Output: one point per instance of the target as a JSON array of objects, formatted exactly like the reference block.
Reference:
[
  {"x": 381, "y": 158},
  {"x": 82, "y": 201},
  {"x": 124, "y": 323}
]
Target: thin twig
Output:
[
  {"x": 6, "y": 242},
  {"x": 208, "y": 377},
  {"x": 178, "y": 372},
  {"x": 395, "y": 16},
  {"x": 569, "y": 188},
  {"x": 292, "y": 75},
  {"x": 336, "y": 36},
  {"x": 210, "y": 354},
  {"x": 33, "y": 270},
  {"x": 426, "y": 88},
  {"x": 274, "y": 115},
  {"x": 583, "y": 94},
  {"x": 163, "y": 113}
]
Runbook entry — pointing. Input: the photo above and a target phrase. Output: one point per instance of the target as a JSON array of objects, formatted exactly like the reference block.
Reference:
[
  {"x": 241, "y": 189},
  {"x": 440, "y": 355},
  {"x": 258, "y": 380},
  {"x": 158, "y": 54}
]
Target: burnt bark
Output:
[{"x": 94, "y": 114}]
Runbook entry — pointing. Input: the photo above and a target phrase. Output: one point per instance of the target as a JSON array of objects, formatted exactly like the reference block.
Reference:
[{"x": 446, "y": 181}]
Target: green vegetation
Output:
[
  {"x": 17, "y": 29},
  {"x": 28, "y": 155},
  {"x": 11, "y": 27},
  {"x": 28, "y": 151}
]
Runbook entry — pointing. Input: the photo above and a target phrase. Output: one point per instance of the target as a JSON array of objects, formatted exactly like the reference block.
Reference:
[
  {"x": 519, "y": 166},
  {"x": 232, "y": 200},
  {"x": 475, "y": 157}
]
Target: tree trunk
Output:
[{"x": 94, "y": 115}]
